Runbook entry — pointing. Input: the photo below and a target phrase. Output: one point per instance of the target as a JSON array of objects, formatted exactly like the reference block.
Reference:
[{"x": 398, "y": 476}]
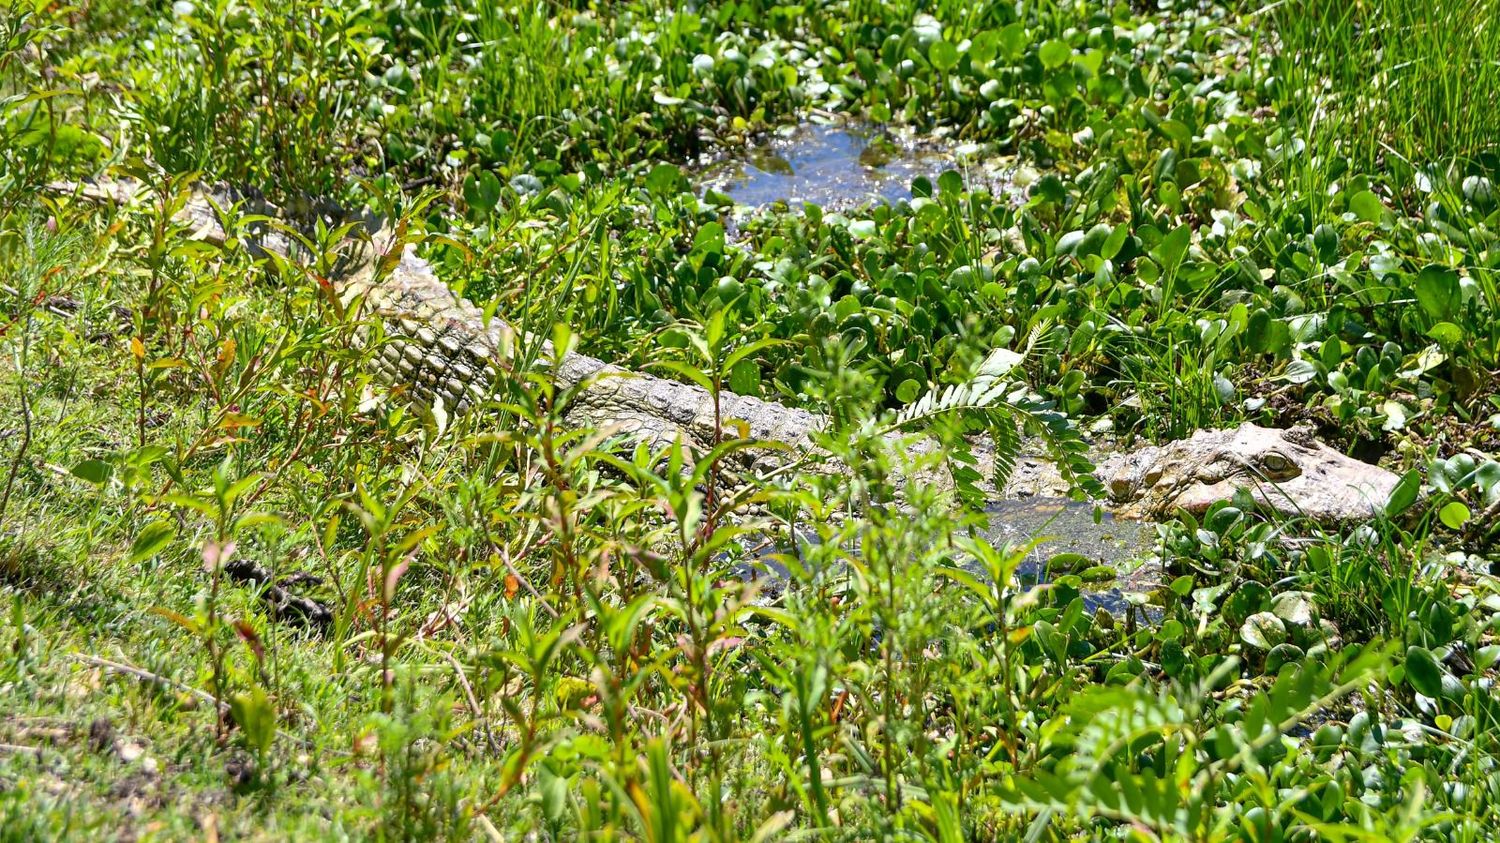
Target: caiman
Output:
[{"x": 443, "y": 349}]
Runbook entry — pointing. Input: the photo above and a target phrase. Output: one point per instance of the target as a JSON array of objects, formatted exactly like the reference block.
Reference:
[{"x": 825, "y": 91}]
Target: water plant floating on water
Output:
[{"x": 746, "y": 421}]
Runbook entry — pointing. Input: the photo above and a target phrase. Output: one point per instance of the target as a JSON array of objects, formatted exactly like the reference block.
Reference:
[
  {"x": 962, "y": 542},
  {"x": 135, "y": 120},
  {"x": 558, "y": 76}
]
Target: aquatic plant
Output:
[{"x": 251, "y": 589}]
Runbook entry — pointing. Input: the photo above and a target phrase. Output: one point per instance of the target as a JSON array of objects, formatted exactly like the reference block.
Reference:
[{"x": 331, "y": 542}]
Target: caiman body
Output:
[{"x": 441, "y": 348}]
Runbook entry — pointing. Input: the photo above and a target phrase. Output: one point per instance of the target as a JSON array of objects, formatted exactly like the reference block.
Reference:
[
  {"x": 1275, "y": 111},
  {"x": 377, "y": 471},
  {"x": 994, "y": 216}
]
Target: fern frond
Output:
[
  {"x": 1005, "y": 436},
  {"x": 976, "y": 395},
  {"x": 1004, "y": 407}
]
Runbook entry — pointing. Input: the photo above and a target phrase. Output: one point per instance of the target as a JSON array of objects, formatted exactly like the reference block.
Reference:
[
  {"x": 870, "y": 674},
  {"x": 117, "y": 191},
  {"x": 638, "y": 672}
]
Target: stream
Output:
[{"x": 1104, "y": 553}]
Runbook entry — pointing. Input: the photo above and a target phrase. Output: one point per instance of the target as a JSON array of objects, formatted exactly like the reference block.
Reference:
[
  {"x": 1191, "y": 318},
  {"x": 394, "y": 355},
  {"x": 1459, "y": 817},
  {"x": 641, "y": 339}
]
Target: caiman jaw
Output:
[{"x": 1266, "y": 474}]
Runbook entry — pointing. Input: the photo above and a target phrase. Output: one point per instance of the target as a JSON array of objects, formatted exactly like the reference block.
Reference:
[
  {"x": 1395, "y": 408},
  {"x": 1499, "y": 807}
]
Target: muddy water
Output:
[
  {"x": 1107, "y": 554},
  {"x": 839, "y": 166},
  {"x": 1103, "y": 552}
]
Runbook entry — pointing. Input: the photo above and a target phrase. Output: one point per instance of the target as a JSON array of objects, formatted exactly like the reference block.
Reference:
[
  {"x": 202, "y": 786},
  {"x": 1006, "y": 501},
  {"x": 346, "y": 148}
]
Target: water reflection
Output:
[{"x": 829, "y": 165}]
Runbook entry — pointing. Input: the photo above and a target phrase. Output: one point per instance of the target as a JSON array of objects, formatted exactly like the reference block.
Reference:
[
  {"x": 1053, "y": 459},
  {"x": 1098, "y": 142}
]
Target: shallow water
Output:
[
  {"x": 1111, "y": 550},
  {"x": 832, "y": 166},
  {"x": 1070, "y": 527}
]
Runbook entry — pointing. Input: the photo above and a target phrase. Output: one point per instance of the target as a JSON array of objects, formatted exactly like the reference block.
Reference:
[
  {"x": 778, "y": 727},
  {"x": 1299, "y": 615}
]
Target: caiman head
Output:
[{"x": 1283, "y": 470}]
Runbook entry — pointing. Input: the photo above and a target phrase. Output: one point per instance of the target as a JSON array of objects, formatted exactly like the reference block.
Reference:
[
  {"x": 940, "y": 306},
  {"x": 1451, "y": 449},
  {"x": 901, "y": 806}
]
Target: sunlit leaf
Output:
[{"x": 151, "y": 540}]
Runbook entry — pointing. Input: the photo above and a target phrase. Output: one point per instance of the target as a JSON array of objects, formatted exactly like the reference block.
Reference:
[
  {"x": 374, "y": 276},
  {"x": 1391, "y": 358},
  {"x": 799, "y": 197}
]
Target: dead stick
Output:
[
  {"x": 17, "y": 749},
  {"x": 474, "y": 709},
  {"x": 148, "y": 676}
]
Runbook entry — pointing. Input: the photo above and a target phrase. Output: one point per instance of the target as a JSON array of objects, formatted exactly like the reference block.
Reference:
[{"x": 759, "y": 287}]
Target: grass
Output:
[
  {"x": 1392, "y": 83},
  {"x": 533, "y": 633}
]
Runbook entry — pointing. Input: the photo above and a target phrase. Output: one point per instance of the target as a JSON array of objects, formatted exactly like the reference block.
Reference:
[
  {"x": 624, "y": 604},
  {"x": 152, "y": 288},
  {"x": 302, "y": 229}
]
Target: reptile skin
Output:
[{"x": 440, "y": 347}]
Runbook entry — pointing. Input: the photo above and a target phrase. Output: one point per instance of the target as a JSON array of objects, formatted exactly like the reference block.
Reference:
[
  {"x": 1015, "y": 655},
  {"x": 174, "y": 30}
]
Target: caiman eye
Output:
[{"x": 1278, "y": 467}]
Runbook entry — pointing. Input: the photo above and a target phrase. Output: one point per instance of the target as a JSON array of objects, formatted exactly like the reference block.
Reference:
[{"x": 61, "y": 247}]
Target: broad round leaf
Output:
[
  {"x": 1438, "y": 291},
  {"x": 1366, "y": 206},
  {"x": 1454, "y": 516},
  {"x": 1263, "y": 631},
  {"x": 944, "y": 56},
  {"x": 1054, "y": 53},
  {"x": 1423, "y": 672}
]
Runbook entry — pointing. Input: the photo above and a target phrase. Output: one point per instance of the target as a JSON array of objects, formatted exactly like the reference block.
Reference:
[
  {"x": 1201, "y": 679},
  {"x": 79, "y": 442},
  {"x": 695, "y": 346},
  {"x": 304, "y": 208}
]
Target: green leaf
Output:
[
  {"x": 944, "y": 56},
  {"x": 1326, "y": 240},
  {"x": 1173, "y": 247},
  {"x": 1423, "y": 672},
  {"x": 1177, "y": 131},
  {"x": 983, "y": 48},
  {"x": 1446, "y": 334},
  {"x": 1295, "y": 608},
  {"x": 744, "y": 378},
  {"x": 92, "y": 471},
  {"x": 709, "y": 240},
  {"x": 152, "y": 539},
  {"x": 1395, "y": 415},
  {"x": 1300, "y": 371},
  {"x": 500, "y": 145},
  {"x": 1263, "y": 631},
  {"x": 256, "y": 717},
  {"x": 482, "y": 192},
  {"x": 673, "y": 337},
  {"x": 692, "y": 374},
  {"x": 664, "y": 179},
  {"x": 1069, "y": 243},
  {"x": 908, "y": 391},
  {"x": 489, "y": 190},
  {"x": 1115, "y": 242},
  {"x": 1052, "y": 641},
  {"x": 1454, "y": 516},
  {"x": 714, "y": 332},
  {"x": 1487, "y": 476},
  {"x": 1366, "y": 206},
  {"x": 1054, "y": 53},
  {"x": 1068, "y": 562},
  {"x": 1013, "y": 41},
  {"x": 745, "y": 351},
  {"x": 1486, "y": 657},
  {"x": 564, "y": 341},
  {"x": 980, "y": 588},
  {"x": 1405, "y": 494},
  {"x": 1438, "y": 291},
  {"x": 554, "y": 793},
  {"x": 1283, "y": 654}
]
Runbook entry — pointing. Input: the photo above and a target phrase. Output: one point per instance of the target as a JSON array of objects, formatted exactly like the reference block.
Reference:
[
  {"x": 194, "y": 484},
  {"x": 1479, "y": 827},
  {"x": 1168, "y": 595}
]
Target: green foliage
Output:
[
  {"x": 262, "y": 93},
  {"x": 1390, "y": 80},
  {"x": 1216, "y": 214}
]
